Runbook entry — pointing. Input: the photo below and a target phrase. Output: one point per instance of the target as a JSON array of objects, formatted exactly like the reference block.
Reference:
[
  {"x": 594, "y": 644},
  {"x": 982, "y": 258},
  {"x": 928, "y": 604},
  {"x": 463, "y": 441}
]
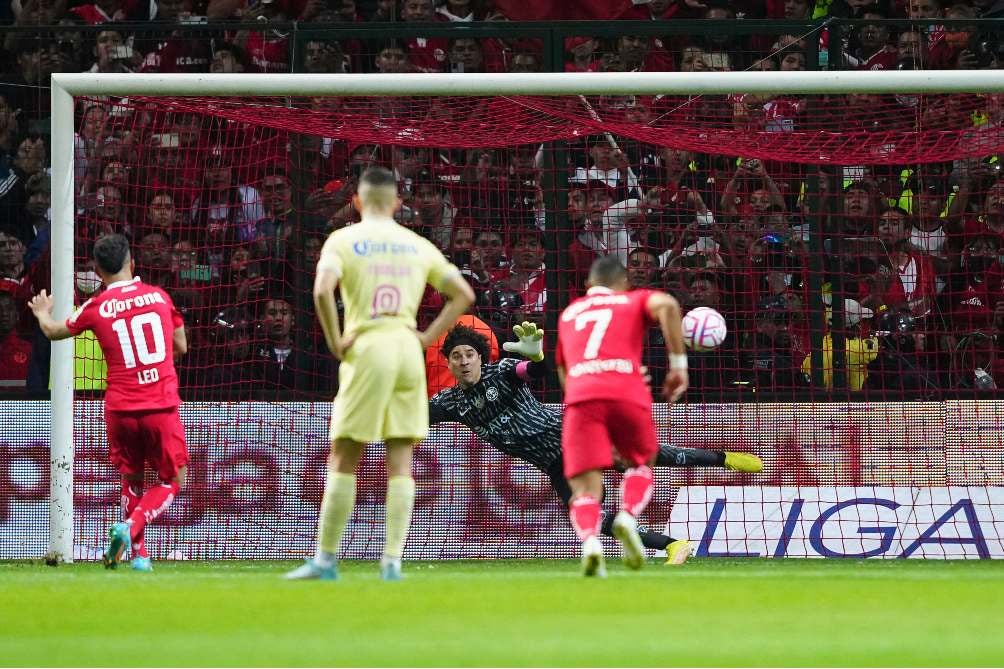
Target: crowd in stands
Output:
[{"x": 230, "y": 218}]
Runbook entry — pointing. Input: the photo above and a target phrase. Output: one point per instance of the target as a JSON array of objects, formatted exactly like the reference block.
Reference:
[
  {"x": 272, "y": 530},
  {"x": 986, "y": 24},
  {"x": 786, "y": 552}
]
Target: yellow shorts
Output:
[{"x": 381, "y": 391}]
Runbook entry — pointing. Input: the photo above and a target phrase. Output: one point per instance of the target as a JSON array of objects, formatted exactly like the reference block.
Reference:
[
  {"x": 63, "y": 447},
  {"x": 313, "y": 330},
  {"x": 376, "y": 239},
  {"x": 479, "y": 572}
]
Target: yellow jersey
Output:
[
  {"x": 382, "y": 269},
  {"x": 859, "y": 353}
]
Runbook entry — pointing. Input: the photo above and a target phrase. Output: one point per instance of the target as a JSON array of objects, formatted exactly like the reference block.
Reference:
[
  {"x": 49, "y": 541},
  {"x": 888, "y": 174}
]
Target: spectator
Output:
[
  {"x": 905, "y": 277},
  {"x": 392, "y": 58},
  {"x": 29, "y": 160},
  {"x": 161, "y": 216},
  {"x": 224, "y": 213},
  {"x": 113, "y": 54},
  {"x": 579, "y": 54},
  {"x": 435, "y": 213},
  {"x": 321, "y": 56},
  {"x": 466, "y": 55},
  {"x": 751, "y": 177},
  {"x": 977, "y": 288},
  {"x": 900, "y": 364},
  {"x": 427, "y": 54},
  {"x": 153, "y": 260},
  {"x": 274, "y": 229},
  {"x": 15, "y": 352},
  {"x": 233, "y": 367},
  {"x": 12, "y": 247},
  {"x": 35, "y": 220},
  {"x": 643, "y": 268},
  {"x": 38, "y": 56},
  {"x": 525, "y": 62},
  {"x": 609, "y": 165},
  {"x": 526, "y": 276},
  {"x": 177, "y": 52},
  {"x": 870, "y": 47},
  {"x": 280, "y": 365},
  {"x": 639, "y": 54},
  {"x": 860, "y": 202},
  {"x": 488, "y": 261},
  {"x": 860, "y": 351},
  {"x": 231, "y": 59},
  {"x": 767, "y": 356}
]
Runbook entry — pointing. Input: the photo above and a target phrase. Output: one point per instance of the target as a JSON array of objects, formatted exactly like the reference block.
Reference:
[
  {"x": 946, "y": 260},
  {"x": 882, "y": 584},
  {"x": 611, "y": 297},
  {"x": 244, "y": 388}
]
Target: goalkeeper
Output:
[{"x": 494, "y": 401}]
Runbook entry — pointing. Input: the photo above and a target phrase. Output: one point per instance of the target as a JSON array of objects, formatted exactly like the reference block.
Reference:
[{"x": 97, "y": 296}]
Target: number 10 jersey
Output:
[{"x": 134, "y": 324}]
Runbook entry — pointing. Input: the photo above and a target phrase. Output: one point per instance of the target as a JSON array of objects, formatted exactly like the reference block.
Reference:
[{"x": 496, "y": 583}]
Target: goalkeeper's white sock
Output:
[
  {"x": 336, "y": 508},
  {"x": 400, "y": 501}
]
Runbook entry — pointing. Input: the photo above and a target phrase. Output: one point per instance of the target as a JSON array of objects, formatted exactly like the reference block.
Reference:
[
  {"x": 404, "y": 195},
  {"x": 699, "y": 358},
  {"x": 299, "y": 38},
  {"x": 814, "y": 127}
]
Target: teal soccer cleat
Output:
[
  {"x": 144, "y": 564},
  {"x": 310, "y": 570},
  {"x": 118, "y": 541}
]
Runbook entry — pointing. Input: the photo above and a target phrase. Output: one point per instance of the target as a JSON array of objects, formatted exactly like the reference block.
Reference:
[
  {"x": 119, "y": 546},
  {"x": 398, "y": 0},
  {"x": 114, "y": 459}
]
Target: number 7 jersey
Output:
[
  {"x": 134, "y": 324},
  {"x": 600, "y": 342}
]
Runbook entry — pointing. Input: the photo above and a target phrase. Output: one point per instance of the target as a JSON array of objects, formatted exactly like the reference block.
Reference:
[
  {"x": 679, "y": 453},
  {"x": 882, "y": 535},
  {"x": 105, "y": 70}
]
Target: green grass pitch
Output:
[{"x": 507, "y": 613}]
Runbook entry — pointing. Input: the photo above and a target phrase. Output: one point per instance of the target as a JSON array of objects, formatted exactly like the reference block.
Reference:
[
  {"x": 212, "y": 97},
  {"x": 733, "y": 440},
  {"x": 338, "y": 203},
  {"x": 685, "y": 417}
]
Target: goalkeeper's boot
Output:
[
  {"x": 678, "y": 552},
  {"x": 743, "y": 462},
  {"x": 593, "y": 562},
  {"x": 118, "y": 542},
  {"x": 141, "y": 563},
  {"x": 310, "y": 570},
  {"x": 625, "y": 528},
  {"x": 390, "y": 569}
]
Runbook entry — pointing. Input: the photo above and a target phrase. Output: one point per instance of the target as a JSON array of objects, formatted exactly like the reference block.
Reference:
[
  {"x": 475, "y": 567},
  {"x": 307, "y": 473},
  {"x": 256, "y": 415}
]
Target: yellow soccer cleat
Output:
[
  {"x": 678, "y": 552},
  {"x": 743, "y": 462}
]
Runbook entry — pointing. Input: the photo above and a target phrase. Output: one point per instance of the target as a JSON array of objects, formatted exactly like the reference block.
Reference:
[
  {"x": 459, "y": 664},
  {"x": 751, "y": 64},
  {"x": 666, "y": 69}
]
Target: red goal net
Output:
[{"x": 853, "y": 243}]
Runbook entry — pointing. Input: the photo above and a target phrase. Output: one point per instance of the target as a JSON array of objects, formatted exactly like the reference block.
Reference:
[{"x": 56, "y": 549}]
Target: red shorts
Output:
[
  {"x": 136, "y": 438},
  {"x": 592, "y": 430}
]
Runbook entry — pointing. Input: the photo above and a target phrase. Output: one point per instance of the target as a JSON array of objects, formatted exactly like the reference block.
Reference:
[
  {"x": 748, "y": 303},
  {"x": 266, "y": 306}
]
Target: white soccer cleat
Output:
[
  {"x": 593, "y": 562},
  {"x": 625, "y": 528}
]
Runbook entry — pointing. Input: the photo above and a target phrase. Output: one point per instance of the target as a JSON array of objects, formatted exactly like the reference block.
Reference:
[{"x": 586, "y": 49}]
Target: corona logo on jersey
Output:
[{"x": 112, "y": 308}]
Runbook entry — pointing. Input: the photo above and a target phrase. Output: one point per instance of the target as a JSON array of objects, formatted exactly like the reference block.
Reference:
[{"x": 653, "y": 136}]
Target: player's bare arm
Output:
[
  {"x": 180, "y": 342},
  {"x": 460, "y": 297},
  {"x": 327, "y": 312},
  {"x": 665, "y": 310},
  {"x": 41, "y": 306}
]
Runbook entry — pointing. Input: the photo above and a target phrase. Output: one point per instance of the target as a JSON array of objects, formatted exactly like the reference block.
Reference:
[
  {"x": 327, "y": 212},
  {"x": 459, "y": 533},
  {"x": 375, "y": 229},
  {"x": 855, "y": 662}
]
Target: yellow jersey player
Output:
[{"x": 381, "y": 269}]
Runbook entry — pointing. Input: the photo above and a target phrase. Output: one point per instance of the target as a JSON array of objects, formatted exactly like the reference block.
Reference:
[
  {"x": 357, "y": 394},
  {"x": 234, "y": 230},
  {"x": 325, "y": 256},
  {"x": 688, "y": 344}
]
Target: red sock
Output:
[
  {"x": 636, "y": 490},
  {"x": 132, "y": 492},
  {"x": 154, "y": 502},
  {"x": 585, "y": 514}
]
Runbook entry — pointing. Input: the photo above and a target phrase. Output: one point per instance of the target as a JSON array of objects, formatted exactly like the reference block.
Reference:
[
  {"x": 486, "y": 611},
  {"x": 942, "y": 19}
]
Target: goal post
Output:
[{"x": 65, "y": 86}]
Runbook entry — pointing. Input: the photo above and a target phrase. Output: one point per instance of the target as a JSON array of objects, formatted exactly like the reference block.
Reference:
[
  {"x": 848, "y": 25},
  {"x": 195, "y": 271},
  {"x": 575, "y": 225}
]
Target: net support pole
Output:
[{"x": 61, "y": 369}]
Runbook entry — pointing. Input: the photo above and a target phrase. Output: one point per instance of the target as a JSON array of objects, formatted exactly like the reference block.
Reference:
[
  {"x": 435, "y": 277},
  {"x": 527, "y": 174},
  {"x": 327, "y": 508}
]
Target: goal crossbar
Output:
[{"x": 66, "y": 85}]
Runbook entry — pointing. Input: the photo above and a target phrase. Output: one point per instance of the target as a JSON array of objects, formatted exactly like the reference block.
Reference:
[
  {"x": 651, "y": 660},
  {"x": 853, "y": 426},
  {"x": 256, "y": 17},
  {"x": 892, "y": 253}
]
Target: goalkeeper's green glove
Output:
[{"x": 530, "y": 344}]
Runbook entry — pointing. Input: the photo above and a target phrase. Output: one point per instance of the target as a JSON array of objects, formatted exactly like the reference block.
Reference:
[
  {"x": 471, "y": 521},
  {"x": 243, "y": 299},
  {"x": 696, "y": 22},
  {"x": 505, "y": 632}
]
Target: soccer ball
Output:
[{"x": 703, "y": 329}]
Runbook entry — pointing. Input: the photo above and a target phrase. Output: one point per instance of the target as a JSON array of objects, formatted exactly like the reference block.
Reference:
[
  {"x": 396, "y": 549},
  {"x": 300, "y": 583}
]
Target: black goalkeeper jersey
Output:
[{"x": 502, "y": 411}]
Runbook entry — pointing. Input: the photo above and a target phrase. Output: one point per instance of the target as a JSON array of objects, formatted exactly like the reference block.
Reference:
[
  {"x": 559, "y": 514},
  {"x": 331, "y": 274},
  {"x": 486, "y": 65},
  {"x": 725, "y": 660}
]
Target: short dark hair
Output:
[
  {"x": 378, "y": 177},
  {"x": 461, "y": 335},
  {"x": 111, "y": 252},
  {"x": 606, "y": 271}
]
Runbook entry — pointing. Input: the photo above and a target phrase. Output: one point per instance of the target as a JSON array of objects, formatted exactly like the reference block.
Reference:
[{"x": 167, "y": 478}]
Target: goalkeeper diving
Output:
[{"x": 495, "y": 402}]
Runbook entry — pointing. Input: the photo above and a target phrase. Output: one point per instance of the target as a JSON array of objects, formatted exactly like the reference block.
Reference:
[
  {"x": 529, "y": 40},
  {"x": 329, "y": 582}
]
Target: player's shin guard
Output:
[
  {"x": 132, "y": 493},
  {"x": 636, "y": 490},
  {"x": 336, "y": 508},
  {"x": 400, "y": 501},
  {"x": 154, "y": 502},
  {"x": 585, "y": 514}
]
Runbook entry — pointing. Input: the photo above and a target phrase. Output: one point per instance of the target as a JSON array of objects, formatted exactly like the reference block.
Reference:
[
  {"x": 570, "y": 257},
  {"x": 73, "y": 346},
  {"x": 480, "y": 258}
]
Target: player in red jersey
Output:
[
  {"x": 140, "y": 333},
  {"x": 609, "y": 405}
]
